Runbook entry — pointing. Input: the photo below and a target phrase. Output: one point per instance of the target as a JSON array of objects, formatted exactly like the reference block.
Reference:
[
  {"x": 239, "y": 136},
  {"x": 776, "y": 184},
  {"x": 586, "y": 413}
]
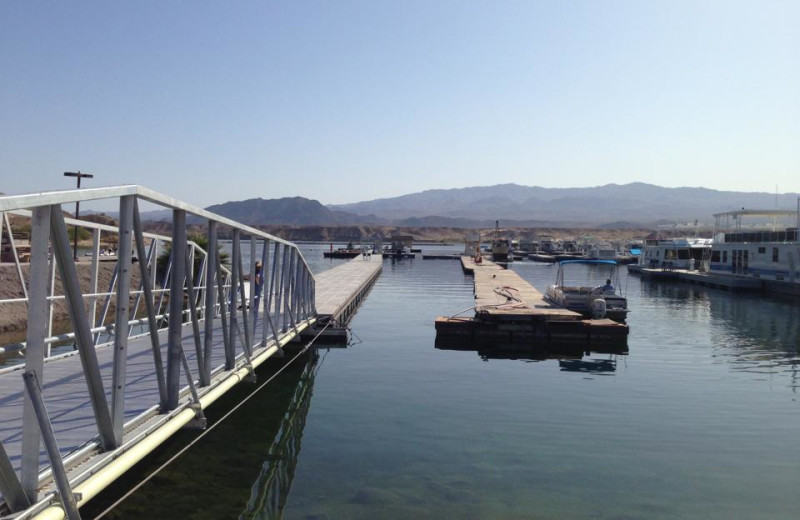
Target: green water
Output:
[{"x": 700, "y": 420}]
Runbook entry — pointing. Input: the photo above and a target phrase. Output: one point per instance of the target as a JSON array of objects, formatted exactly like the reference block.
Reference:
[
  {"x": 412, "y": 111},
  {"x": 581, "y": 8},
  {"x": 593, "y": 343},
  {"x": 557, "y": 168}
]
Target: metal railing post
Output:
[
  {"x": 35, "y": 348},
  {"x": 174, "y": 347},
  {"x": 95, "y": 272},
  {"x": 290, "y": 289},
  {"x": 245, "y": 320},
  {"x": 80, "y": 322},
  {"x": 296, "y": 285},
  {"x": 194, "y": 319},
  {"x": 119, "y": 373},
  {"x": 211, "y": 270},
  {"x": 51, "y": 302},
  {"x": 234, "y": 296},
  {"x": 224, "y": 309},
  {"x": 271, "y": 293},
  {"x": 264, "y": 292},
  {"x": 152, "y": 323},
  {"x": 252, "y": 298},
  {"x": 285, "y": 288}
]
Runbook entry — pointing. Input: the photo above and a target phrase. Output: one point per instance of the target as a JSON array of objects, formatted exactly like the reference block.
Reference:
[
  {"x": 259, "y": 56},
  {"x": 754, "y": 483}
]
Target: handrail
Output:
[{"x": 47, "y": 198}]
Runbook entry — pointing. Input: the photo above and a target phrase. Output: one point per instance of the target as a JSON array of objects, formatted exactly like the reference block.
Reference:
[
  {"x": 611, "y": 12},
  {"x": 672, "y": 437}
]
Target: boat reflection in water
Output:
[{"x": 590, "y": 366}]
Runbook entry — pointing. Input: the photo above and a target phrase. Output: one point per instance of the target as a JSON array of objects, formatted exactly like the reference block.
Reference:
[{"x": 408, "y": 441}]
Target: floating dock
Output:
[
  {"x": 510, "y": 312},
  {"x": 339, "y": 293}
]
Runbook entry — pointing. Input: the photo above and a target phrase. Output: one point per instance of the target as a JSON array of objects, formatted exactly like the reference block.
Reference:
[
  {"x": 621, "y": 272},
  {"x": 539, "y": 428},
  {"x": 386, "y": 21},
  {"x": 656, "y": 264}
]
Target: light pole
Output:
[{"x": 79, "y": 176}]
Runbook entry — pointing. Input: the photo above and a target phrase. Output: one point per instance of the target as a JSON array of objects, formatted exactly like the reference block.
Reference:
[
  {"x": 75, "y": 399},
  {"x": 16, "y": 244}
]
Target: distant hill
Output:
[
  {"x": 297, "y": 211},
  {"x": 613, "y": 204}
]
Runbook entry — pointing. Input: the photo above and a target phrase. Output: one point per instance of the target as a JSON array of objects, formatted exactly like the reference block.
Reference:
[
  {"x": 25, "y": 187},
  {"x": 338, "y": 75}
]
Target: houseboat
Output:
[
  {"x": 673, "y": 253},
  {"x": 761, "y": 244}
]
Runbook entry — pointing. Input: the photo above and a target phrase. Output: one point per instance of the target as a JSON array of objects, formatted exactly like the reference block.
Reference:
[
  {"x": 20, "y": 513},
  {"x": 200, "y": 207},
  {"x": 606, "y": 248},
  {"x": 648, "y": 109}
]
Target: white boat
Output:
[
  {"x": 591, "y": 301},
  {"x": 602, "y": 251},
  {"x": 673, "y": 253},
  {"x": 761, "y": 244}
]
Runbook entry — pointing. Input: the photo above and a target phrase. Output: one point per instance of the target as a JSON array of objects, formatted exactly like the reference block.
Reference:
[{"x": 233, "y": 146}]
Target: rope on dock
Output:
[{"x": 210, "y": 428}]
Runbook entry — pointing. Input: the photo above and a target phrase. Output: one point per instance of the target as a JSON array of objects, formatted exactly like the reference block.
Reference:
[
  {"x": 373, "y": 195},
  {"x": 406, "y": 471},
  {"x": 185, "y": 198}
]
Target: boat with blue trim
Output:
[{"x": 598, "y": 301}]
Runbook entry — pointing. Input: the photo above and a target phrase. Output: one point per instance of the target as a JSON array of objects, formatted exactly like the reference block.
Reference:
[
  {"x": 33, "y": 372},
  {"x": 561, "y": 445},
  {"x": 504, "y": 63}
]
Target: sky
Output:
[{"x": 343, "y": 101}]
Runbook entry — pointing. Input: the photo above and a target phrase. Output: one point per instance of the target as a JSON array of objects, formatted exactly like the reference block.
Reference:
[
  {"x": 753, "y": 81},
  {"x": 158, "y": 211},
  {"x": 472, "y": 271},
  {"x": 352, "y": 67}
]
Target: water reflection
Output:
[
  {"x": 743, "y": 325},
  {"x": 270, "y": 491},
  {"x": 752, "y": 333},
  {"x": 594, "y": 366},
  {"x": 570, "y": 358},
  {"x": 244, "y": 468}
]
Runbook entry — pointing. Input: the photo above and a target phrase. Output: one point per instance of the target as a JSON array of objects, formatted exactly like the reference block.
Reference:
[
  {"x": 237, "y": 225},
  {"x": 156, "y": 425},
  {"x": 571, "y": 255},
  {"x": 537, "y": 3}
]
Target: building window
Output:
[
  {"x": 724, "y": 257},
  {"x": 762, "y": 250},
  {"x": 774, "y": 254}
]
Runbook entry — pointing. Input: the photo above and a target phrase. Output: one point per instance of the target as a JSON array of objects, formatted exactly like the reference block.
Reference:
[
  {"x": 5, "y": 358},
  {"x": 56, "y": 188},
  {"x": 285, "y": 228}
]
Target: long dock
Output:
[
  {"x": 80, "y": 420},
  {"x": 339, "y": 293},
  {"x": 511, "y": 312}
]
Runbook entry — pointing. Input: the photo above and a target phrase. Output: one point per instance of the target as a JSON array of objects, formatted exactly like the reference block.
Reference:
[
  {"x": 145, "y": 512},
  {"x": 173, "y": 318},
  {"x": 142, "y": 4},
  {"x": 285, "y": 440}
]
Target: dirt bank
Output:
[{"x": 14, "y": 316}]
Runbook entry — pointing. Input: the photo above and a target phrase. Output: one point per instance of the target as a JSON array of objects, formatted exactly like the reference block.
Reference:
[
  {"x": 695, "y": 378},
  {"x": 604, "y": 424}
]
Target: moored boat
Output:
[
  {"x": 501, "y": 246},
  {"x": 604, "y": 301},
  {"x": 757, "y": 244}
]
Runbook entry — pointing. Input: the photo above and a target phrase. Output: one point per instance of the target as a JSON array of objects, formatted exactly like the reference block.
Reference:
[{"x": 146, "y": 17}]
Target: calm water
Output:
[{"x": 700, "y": 420}]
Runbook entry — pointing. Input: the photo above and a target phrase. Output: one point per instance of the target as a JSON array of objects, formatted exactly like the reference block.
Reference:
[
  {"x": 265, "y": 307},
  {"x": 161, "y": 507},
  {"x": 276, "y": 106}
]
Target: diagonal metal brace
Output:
[
  {"x": 83, "y": 334},
  {"x": 68, "y": 499}
]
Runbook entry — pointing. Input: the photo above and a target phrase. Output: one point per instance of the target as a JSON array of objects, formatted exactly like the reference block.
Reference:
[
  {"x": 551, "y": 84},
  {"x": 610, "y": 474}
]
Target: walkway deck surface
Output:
[
  {"x": 502, "y": 292},
  {"x": 64, "y": 386},
  {"x": 337, "y": 287}
]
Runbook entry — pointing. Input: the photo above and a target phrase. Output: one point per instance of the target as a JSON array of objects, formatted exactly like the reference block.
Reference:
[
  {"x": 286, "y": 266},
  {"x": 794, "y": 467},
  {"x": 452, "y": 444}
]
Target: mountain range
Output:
[
  {"x": 609, "y": 206},
  {"x": 636, "y": 203}
]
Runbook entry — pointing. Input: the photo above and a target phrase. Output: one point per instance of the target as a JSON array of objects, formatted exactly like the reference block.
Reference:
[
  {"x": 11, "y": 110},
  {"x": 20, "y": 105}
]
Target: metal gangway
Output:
[{"x": 146, "y": 363}]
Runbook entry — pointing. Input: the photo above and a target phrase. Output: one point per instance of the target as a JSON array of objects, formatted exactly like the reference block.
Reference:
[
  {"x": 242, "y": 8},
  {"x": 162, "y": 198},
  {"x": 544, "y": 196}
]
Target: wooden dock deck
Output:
[
  {"x": 502, "y": 293},
  {"x": 510, "y": 311},
  {"x": 338, "y": 292}
]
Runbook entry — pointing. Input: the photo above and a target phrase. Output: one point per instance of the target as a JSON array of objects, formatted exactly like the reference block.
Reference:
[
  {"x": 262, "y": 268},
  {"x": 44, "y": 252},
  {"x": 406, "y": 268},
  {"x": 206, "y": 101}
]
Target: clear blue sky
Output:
[{"x": 351, "y": 100}]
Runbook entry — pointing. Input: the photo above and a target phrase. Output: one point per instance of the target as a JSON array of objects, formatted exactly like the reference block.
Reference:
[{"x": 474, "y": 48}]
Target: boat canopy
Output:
[{"x": 586, "y": 261}]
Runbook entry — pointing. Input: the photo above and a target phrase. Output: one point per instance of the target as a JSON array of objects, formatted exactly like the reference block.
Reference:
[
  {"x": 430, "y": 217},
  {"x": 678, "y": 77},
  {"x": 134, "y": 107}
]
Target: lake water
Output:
[{"x": 700, "y": 420}]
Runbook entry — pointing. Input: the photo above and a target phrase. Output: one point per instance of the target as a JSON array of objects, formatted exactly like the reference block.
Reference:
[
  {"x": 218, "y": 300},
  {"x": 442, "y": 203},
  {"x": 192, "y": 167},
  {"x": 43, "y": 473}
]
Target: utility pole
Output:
[{"x": 79, "y": 176}]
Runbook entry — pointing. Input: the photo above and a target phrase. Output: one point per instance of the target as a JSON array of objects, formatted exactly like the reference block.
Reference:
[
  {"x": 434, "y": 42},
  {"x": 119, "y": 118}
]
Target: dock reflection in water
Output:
[{"x": 243, "y": 483}]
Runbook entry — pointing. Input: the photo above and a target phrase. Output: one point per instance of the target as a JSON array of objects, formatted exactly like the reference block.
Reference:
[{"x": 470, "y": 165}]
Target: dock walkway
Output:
[
  {"x": 341, "y": 288},
  {"x": 503, "y": 293}
]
